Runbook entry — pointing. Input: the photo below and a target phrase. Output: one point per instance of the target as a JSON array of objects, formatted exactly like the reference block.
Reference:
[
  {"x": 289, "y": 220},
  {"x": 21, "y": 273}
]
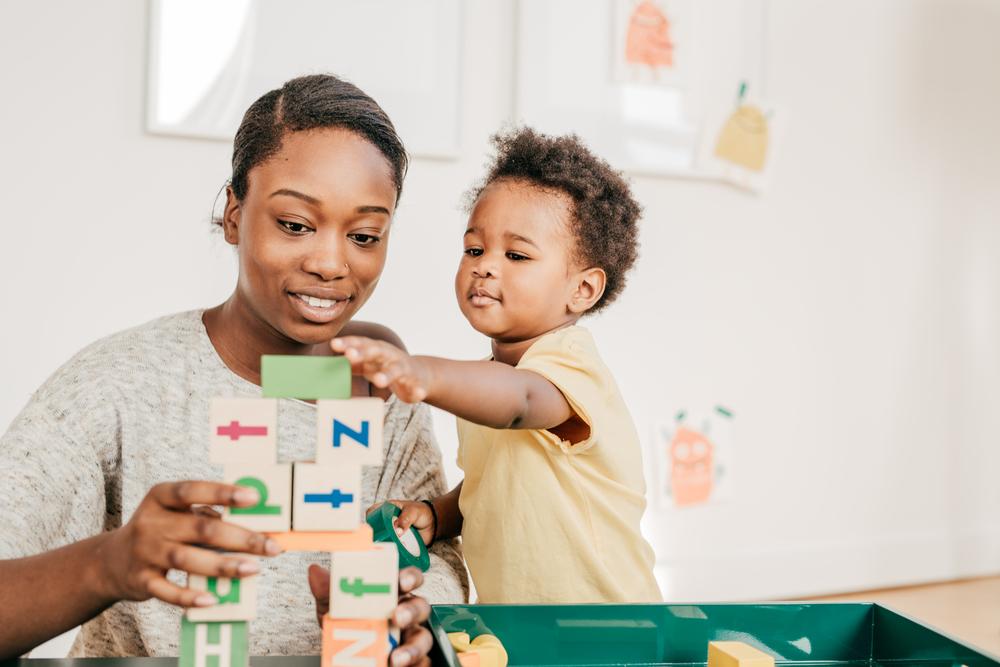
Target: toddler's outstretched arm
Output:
[{"x": 484, "y": 392}]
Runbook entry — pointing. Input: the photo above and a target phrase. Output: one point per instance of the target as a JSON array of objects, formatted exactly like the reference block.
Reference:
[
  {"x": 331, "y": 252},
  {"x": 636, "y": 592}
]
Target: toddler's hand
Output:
[
  {"x": 415, "y": 514},
  {"x": 385, "y": 365}
]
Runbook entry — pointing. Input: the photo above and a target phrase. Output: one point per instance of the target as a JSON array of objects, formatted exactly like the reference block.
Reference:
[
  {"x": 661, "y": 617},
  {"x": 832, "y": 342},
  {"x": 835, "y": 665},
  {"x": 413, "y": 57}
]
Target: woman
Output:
[{"x": 96, "y": 529}]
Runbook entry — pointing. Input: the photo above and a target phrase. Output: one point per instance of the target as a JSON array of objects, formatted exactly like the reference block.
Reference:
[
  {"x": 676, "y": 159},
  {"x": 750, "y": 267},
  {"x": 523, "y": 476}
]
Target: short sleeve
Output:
[{"x": 569, "y": 360}]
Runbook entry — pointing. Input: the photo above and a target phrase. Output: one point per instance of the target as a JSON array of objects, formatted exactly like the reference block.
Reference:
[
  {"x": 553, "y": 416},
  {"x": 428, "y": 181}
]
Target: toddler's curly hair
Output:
[{"x": 605, "y": 214}]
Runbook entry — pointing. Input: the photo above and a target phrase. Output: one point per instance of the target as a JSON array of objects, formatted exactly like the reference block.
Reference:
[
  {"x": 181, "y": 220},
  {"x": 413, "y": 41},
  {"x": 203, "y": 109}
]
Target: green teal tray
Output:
[{"x": 815, "y": 634}]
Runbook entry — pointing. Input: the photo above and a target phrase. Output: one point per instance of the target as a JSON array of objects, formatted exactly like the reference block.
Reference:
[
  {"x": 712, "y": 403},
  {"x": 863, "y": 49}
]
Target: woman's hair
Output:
[
  {"x": 604, "y": 211},
  {"x": 307, "y": 103}
]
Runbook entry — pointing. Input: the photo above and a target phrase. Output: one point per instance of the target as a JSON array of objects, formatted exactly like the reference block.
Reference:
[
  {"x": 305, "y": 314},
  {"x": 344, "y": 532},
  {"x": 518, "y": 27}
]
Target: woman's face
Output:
[{"x": 312, "y": 232}]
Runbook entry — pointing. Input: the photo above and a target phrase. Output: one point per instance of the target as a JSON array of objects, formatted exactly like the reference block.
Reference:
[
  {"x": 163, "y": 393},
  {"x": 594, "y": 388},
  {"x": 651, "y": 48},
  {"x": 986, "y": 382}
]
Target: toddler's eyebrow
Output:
[{"x": 518, "y": 237}]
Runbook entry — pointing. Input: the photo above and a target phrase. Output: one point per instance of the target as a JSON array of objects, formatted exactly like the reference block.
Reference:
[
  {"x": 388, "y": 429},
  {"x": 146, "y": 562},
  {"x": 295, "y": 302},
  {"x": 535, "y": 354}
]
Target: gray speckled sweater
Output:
[{"x": 130, "y": 411}]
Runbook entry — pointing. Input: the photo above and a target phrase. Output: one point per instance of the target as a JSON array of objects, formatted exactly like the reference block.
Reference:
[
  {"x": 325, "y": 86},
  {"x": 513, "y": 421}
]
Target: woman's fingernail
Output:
[
  {"x": 399, "y": 531},
  {"x": 406, "y": 580},
  {"x": 403, "y": 617},
  {"x": 248, "y": 567},
  {"x": 400, "y": 657},
  {"x": 272, "y": 548},
  {"x": 205, "y": 600},
  {"x": 246, "y": 496}
]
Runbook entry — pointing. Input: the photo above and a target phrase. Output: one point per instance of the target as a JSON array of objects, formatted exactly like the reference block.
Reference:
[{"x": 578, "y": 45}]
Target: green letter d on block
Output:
[{"x": 261, "y": 507}]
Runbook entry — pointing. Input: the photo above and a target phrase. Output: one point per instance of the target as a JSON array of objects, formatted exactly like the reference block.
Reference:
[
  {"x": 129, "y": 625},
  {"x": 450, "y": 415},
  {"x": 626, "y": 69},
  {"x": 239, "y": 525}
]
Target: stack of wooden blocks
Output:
[{"x": 304, "y": 506}]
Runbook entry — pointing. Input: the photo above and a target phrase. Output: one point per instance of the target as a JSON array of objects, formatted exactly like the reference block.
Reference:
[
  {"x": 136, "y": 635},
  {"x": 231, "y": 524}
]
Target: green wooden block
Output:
[
  {"x": 214, "y": 644},
  {"x": 293, "y": 376}
]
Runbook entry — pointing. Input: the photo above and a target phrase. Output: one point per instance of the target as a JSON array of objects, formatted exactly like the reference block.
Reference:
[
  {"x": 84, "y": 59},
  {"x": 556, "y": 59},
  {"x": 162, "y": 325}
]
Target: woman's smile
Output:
[{"x": 320, "y": 309}]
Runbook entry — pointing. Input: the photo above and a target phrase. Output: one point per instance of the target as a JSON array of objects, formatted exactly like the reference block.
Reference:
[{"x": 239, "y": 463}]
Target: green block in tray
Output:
[
  {"x": 306, "y": 378},
  {"x": 813, "y": 634}
]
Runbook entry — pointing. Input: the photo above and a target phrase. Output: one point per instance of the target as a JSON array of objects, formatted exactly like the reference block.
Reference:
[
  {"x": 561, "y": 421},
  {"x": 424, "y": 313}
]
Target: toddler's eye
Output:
[
  {"x": 364, "y": 239},
  {"x": 293, "y": 227},
  {"x": 516, "y": 256},
  {"x": 473, "y": 252}
]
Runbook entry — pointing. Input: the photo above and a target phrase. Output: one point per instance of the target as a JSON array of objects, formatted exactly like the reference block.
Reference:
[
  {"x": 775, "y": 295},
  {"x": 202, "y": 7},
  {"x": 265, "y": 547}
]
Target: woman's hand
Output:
[
  {"x": 415, "y": 641},
  {"x": 385, "y": 365},
  {"x": 169, "y": 531}
]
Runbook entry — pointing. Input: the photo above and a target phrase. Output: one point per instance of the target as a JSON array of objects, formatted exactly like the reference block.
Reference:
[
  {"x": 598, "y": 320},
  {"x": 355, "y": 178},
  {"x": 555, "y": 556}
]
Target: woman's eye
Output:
[
  {"x": 516, "y": 256},
  {"x": 473, "y": 252},
  {"x": 293, "y": 227},
  {"x": 364, "y": 239}
]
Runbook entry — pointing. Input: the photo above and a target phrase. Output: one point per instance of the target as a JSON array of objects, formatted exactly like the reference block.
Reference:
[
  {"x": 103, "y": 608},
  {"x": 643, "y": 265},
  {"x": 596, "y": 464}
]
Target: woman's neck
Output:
[{"x": 240, "y": 337}]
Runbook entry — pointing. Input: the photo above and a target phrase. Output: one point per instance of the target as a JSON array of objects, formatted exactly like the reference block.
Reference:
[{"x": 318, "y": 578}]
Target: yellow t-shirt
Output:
[{"x": 550, "y": 521}]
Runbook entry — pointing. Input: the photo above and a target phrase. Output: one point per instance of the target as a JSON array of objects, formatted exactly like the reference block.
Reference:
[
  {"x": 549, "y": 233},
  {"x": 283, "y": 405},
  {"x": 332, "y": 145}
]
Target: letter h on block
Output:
[{"x": 224, "y": 644}]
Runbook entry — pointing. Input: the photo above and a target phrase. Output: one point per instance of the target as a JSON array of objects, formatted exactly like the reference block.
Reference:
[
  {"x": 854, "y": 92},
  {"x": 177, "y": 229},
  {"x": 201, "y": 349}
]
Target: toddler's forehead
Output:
[{"x": 521, "y": 206}]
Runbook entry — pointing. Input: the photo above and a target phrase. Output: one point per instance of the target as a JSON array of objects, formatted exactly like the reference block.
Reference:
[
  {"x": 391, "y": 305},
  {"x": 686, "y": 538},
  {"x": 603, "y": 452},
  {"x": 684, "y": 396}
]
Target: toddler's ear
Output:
[{"x": 588, "y": 290}]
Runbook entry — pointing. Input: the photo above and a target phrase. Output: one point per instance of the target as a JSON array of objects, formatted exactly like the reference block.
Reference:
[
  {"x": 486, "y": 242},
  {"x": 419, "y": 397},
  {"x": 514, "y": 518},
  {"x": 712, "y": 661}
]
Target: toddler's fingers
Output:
[
  {"x": 171, "y": 593},
  {"x": 412, "y": 514}
]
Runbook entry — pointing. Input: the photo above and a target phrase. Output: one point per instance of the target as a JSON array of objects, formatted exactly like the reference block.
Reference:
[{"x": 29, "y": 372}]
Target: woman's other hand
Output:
[{"x": 409, "y": 614}]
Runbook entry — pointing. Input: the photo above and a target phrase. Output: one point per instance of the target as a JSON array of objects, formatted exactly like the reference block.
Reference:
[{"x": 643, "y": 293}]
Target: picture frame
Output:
[{"x": 209, "y": 61}]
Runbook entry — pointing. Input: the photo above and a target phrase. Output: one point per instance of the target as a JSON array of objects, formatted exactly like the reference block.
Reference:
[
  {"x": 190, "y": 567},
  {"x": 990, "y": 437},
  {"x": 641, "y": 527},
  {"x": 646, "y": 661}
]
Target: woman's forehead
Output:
[{"x": 327, "y": 164}]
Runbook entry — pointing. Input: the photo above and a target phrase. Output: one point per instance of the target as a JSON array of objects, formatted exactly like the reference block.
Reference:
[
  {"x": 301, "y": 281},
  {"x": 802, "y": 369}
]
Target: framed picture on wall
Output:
[
  {"x": 636, "y": 78},
  {"x": 209, "y": 61}
]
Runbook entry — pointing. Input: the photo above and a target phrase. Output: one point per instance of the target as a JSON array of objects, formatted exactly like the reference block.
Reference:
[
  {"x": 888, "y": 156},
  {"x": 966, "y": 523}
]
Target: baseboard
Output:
[{"x": 801, "y": 572}]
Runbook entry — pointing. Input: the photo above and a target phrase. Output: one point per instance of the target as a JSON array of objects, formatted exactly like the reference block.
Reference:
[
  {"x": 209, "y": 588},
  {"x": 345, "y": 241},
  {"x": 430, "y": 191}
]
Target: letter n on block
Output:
[
  {"x": 214, "y": 644},
  {"x": 355, "y": 643},
  {"x": 349, "y": 432}
]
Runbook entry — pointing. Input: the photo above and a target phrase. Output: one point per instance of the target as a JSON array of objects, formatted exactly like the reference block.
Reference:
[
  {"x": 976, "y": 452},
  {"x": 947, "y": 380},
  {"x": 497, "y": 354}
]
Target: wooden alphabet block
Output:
[
  {"x": 341, "y": 540},
  {"x": 224, "y": 644},
  {"x": 326, "y": 497},
  {"x": 243, "y": 430},
  {"x": 364, "y": 584},
  {"x": 737, "y": 654},
  {"x": 349, "y": 432},
  {"x": 273, "y": 481},
  {"x": 354, "y": 642},
  {"x": 305, "y": 377},
  {"x": 237, "y": 598}
]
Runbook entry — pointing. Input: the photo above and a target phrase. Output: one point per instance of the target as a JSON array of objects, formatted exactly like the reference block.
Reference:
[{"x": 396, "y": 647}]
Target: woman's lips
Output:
[{"x": 319, "y": 311}]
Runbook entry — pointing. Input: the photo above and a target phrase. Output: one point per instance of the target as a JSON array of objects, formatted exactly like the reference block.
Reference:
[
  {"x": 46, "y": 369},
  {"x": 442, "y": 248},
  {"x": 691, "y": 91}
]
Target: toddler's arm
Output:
[{"x": 484, "y": 392}]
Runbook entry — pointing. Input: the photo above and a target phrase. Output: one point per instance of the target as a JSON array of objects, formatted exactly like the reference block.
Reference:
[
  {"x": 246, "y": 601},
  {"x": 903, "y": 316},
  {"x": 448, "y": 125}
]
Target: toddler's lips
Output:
[{"x": 479, "y": 300}]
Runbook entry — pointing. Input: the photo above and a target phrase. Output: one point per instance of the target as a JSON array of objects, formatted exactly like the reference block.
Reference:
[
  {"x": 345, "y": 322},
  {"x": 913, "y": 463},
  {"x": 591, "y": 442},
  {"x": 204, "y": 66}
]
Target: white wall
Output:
[{"x": 849, "y": 315}]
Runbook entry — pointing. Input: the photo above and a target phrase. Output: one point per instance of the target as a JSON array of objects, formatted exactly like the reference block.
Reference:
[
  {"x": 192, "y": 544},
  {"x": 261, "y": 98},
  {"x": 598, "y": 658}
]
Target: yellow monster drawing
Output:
[{"x": 744, "y": 138}]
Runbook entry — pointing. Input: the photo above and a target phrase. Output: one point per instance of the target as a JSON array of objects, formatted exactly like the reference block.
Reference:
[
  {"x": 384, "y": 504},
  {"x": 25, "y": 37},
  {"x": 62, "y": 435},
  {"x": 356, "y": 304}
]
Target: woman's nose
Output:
[{"x": 327, "y": 261}]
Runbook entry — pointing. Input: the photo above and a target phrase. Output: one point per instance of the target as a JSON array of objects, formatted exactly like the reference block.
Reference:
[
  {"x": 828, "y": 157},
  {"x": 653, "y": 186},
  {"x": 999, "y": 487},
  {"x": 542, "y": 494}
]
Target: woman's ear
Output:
[
  {"x": 588, "y": 290},
  {"x": 231, "y": 217}
]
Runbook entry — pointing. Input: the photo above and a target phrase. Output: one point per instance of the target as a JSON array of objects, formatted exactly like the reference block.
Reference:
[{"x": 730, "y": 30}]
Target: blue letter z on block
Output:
[{"x": 339, "y": 429}]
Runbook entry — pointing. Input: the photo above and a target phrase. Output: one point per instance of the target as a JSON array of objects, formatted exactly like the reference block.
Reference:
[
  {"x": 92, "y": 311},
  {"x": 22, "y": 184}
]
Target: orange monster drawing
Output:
[
  {"x": 648, "y": 41},
  {"x": 692, "y": 470}
]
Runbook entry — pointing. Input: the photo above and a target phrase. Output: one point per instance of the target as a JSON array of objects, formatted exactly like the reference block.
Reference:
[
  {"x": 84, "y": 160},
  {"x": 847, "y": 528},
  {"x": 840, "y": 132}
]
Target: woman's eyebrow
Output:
[
  {"x": 295, "y": 193},
  {"x": 315, "y": 202}
]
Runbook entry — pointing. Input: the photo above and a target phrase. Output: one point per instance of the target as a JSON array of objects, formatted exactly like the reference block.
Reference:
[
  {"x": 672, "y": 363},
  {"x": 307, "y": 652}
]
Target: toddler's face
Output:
[{"x": 514, "y": 280}]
